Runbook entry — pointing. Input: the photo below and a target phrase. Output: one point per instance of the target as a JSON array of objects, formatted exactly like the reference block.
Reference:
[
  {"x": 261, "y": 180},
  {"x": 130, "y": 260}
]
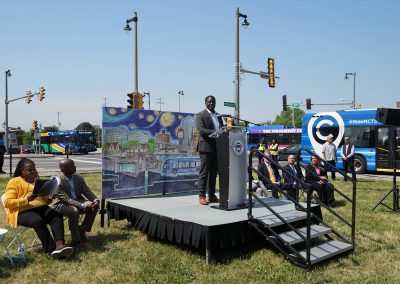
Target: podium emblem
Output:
[{"x": 238, "y": 147}]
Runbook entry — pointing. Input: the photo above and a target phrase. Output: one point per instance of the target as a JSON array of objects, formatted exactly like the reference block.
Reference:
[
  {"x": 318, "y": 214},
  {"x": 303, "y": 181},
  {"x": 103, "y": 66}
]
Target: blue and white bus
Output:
[{"x": 369, "y": 136}]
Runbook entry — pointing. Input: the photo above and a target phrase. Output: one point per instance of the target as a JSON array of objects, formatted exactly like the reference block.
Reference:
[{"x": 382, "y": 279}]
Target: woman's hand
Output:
[{"x": 31, "y": 197}]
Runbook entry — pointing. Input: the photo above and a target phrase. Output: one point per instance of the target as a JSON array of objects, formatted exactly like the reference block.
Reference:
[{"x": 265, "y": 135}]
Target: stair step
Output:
[
  {"x": 326, "y": 250},
  {"x": 289, "y": 216},
  {"x": 291, "y": 237}
]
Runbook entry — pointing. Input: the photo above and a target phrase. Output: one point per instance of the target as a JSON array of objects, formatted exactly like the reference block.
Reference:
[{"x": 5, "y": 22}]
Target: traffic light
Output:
[
  {"x": 34, "y": 125},
  {"x": 28, "y": 97},
  {"x": 139, "y": 101},
  {"x": 271, "y": 72},
  {"x": 284, "y": 102},
  {"x": 41, "y": 94},
  {"x": 130, "y": 101},
  {"x": 308, "y": 103}
]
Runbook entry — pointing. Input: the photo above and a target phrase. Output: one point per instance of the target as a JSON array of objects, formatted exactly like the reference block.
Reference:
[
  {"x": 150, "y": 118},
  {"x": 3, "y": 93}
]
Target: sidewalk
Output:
[{"x": 29, "y": 155}]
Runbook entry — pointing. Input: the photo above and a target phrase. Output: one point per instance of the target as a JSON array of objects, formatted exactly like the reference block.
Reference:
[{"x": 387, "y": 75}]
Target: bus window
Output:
[{"x": 361, "y": 137}]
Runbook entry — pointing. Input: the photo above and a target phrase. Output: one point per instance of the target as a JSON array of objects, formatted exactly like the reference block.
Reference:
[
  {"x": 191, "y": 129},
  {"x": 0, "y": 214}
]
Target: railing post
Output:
[
  {"x": 353, "y": 213},
  {"x": 250, "y": 173},
  {"x": 308, "y": 242}
]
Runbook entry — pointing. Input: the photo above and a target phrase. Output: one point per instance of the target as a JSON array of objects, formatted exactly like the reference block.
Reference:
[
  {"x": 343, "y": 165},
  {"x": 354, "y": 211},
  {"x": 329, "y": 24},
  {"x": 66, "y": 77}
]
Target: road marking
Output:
[{"x": 83, "y": 161}]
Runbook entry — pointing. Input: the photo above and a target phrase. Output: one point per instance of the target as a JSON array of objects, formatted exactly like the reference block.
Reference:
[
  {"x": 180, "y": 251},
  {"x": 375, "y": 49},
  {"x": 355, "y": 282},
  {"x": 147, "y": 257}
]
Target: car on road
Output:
[
  {"x": 24, "y": 149},
  {"x": 286, "y": 152}
]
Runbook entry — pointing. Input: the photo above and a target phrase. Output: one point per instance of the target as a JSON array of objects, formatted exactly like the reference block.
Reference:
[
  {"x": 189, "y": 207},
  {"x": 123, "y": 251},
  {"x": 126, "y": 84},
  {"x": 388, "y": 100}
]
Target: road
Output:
[{"x": 48, "y": 165}]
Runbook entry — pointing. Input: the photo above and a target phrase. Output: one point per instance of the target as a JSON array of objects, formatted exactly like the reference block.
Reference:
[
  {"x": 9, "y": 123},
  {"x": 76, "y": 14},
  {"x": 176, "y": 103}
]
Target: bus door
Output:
[{"x": 384, "y": 158}]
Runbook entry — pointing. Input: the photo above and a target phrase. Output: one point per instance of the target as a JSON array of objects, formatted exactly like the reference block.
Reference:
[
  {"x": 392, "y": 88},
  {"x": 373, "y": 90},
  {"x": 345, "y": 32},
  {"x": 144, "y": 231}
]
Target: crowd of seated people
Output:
[{"x": 315, "y": 178}]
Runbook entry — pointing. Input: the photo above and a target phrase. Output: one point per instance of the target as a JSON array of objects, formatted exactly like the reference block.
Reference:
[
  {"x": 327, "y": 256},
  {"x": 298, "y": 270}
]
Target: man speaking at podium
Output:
[{"x": 207, "y": 122}]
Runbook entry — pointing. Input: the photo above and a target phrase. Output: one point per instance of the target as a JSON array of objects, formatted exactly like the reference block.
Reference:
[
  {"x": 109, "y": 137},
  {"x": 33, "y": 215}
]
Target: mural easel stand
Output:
[{"x": 102, "y": 212}]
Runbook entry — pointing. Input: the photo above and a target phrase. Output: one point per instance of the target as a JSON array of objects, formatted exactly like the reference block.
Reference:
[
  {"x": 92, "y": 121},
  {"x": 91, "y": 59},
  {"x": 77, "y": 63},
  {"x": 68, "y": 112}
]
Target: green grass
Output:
[{"x": 120, "y": 254}]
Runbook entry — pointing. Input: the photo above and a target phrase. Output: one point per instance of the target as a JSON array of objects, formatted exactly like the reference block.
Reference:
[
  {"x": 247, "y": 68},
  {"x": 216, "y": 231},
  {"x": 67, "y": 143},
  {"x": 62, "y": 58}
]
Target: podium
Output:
[{"x": 232, "y": 167}]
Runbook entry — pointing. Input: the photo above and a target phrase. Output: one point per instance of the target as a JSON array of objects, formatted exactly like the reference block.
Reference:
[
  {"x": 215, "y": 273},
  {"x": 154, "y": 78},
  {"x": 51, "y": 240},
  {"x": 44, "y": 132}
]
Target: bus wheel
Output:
[
  {"x": 41, "y": 150},
  {"x": 360, "y": 164}
]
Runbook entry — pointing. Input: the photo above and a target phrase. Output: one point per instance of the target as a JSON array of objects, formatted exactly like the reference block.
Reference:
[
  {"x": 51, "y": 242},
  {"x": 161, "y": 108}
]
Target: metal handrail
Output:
[
  {"x": 352, "y": 200},
  {"x": 308, "y": 209},
  {"x": 305, "y": 188}
]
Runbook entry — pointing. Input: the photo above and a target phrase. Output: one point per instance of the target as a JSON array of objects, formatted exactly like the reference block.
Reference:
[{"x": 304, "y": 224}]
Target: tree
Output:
[
  {"x": 51, "y": 128},
  {"x": 85, "y": 126},
  {"x": 27, "y": 138},
  {"x": 285, "y": 118}
]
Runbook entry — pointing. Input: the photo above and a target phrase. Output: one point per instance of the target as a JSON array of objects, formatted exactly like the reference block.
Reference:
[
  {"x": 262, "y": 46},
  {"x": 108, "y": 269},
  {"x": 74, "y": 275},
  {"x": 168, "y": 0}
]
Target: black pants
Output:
[
  {"x": 329, "y": 168},
  {"x": 208, "y": 173},
  {"x": 325, "y": 192},
  {"x": 37, "y": 218},
  {"x": 260, "y": 157},
  {"x": 348, "y": 166}
]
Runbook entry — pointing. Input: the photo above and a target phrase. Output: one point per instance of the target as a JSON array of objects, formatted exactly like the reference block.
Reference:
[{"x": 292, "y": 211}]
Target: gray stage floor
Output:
[{"x": 187, "y": 208}]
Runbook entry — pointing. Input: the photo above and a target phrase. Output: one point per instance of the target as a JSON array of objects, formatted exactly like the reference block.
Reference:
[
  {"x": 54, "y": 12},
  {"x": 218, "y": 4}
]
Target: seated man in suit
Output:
[
  {"x": 268, "y": 175},
  {"x": 317, "y": 177},
  {"x": 70, "y": 202},
  {"x": 290, "y": 184}
]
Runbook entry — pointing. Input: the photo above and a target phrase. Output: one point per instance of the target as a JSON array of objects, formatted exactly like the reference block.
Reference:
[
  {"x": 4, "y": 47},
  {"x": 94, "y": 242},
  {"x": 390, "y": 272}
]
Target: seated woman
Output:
[
  {"x": 24, "y": 208},
  {"x": 317, "y": 177}
]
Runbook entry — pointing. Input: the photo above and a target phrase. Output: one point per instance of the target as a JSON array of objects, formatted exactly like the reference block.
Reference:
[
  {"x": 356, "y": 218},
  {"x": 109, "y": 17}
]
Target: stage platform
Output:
[{"x": 179, "y": 218}]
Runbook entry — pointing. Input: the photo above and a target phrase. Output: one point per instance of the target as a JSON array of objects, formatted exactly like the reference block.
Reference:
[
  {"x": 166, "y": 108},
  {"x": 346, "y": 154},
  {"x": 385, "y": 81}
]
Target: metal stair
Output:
[
  {"x": 326, "y": 250},
  {"x": 290, "y": 240},
  {"x": 302, "y": 237}
]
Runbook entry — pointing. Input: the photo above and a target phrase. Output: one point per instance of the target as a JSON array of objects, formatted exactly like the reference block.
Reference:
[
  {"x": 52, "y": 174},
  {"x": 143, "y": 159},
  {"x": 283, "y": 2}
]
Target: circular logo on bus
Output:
[
  {"x": 323, "y": 124},
  {"x": 238, "y": 147}
]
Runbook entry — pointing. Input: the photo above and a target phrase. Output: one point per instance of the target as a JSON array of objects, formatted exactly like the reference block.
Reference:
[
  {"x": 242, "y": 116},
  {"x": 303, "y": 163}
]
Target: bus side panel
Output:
[
  {"x": 367, "y": 153},
  {"x": 305, "y": 141}
]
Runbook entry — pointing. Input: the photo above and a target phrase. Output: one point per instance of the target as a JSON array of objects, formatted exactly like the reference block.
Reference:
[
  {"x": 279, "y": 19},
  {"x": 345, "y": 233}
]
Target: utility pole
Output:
[
  {"x": 8, "y": 74},
  {"x": 160, "y": 101},
  {"x": 58, "y": 121}
]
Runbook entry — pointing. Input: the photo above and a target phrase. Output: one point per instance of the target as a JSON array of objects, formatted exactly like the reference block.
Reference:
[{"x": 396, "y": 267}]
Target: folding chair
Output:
[{"x": 17, "y": 235}]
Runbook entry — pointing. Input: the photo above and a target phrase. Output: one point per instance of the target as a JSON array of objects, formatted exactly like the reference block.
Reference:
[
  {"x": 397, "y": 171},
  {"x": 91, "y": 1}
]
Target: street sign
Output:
[
  {"x": 296, "y": 105},
  {"x": 229, "y": 104}
]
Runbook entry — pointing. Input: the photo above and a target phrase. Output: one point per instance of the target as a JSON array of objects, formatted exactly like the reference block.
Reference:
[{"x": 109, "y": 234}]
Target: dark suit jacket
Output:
[
  {"x": 63, "y": 195},
  {"x": 310, "y": 177},
  {"x": 289, "y": 180},
  {"x": 205, "y": 126},
  {"x": 263, "y": 169}
]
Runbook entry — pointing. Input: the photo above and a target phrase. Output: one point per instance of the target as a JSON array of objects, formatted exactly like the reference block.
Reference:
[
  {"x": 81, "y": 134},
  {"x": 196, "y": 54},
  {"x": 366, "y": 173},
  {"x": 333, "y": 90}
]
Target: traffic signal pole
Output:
[{"x": 7, "y": 101}]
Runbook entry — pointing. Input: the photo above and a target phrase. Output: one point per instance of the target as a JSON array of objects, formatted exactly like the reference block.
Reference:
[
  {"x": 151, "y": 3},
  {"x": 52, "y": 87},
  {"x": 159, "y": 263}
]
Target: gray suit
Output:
[
  {"x": 71, "y": 208},
  {"x": 208, "y": 153}
]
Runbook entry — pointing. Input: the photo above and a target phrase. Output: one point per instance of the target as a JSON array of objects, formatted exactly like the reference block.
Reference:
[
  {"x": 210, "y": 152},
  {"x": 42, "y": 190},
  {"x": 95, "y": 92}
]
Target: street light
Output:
[
  {"x": 346, "y": 77},
  {"x": 180, "y": 94},
  {"x": 8, "y": 74},
  {"x": 245, "y": 24},
  {"x": 147, "y": 93},
  {"x": 128, "y": 29}
]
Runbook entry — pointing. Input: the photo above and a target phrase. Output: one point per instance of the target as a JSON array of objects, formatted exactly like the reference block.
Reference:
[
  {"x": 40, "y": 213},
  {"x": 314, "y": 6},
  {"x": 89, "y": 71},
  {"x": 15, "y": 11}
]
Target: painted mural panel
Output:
[{"x": 148, "y": 152}]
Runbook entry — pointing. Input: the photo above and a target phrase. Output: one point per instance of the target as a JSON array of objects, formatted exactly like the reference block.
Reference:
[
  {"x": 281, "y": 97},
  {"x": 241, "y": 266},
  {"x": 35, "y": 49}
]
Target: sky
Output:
[{"x": 79, "y": 52}]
